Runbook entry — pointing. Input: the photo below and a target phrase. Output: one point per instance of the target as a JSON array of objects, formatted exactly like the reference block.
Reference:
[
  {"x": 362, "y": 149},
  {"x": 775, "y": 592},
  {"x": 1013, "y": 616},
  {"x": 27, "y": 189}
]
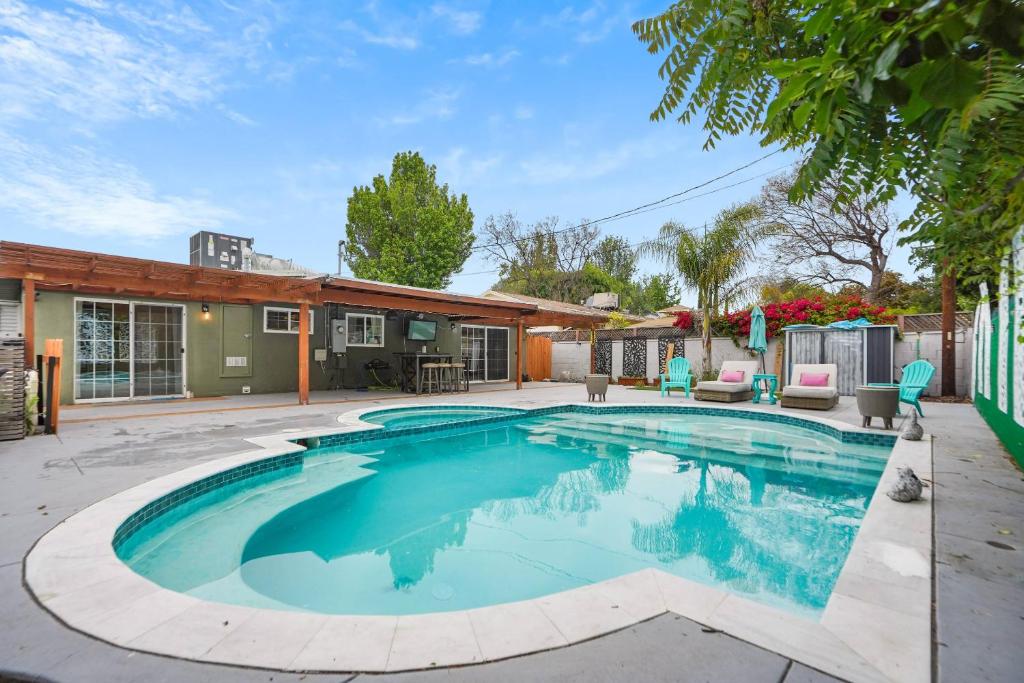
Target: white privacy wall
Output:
[
  {"x": 928, "y": 346},
  {"x": 574, "y": 357}
]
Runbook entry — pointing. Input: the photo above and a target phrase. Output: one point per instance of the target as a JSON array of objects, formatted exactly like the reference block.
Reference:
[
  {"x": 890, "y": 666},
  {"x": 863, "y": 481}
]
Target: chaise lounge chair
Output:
[
  {"x": 809, "y": 389},
  {"x": 739, "y": 388}
]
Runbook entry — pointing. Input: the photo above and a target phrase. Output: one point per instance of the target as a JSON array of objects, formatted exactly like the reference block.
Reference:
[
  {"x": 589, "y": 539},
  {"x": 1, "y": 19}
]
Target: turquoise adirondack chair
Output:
[
  {"x": 916, "y": 377},
  {"x": 678, "y": 376}
]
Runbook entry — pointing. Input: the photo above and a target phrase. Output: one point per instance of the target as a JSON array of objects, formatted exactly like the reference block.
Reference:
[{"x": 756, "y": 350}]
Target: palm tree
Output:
[{"x": 711, "y": 261}]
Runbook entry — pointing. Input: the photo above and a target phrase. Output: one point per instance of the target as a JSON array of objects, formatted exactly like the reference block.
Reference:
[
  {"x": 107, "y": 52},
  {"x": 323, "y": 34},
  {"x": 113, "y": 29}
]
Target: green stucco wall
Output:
[{"x": 273, "y": 365}]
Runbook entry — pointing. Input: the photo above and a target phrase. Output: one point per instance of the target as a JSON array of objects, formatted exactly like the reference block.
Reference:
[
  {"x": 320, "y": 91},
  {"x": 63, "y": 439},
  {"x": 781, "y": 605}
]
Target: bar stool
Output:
[
  {"x": 459, "y": 377},
  {"x": 430, "y": 378},
  {"x": 445, "y": 370}
]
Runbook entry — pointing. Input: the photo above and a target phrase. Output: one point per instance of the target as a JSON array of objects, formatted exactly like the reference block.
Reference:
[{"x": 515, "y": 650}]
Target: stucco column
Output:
[
  {"x": 519, "y": 353},
  {"x": 303, "y": 354}
]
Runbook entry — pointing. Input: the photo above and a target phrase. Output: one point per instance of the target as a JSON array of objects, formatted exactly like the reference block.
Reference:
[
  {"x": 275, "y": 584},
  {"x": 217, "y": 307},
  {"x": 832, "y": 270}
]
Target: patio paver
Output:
[{"x": 95, "y": 459}]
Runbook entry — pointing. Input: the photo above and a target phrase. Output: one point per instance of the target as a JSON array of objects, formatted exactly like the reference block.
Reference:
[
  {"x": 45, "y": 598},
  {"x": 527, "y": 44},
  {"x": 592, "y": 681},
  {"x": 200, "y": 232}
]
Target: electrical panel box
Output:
[
  {"x": 319, "y": 355},
  {"x": 339, "y": 336}
]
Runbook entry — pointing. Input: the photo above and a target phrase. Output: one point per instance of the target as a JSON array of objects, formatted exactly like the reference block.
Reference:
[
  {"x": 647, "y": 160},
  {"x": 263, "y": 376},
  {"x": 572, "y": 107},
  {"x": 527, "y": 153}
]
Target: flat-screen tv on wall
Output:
[{"x": 421, "y": 330}]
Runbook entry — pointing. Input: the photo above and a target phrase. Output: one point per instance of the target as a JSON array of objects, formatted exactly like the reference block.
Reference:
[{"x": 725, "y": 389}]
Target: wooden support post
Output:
[
  {"x": 28, "y": 289},
  {"x": 593, "y": 350},
  {"x": 303, "y": 354},
  {"x": 52, "y": 356},
  {"x": 519, "y": 353},
  {"x": 948, "y": 333}
]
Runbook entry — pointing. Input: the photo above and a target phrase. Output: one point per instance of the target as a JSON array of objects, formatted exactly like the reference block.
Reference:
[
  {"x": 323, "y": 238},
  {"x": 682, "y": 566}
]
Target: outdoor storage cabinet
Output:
[
  {"x": 863, "y": 355},
  {"x": 12, "y": 389}
]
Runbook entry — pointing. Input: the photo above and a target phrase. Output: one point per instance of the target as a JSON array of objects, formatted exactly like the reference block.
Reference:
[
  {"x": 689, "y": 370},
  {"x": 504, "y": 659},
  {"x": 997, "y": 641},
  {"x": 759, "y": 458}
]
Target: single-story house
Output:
[
  {"x": 139, "y": 329},
  {"x": 559, "y": 313}
]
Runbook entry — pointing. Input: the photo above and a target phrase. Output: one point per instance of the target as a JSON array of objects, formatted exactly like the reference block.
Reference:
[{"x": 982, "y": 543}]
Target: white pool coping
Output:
[{"x": 876, "y": 625}]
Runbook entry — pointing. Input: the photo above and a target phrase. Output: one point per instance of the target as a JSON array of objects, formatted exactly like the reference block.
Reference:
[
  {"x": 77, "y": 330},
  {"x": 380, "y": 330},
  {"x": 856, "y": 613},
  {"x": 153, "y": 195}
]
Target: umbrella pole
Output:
[{"x": 764, "y": 381}]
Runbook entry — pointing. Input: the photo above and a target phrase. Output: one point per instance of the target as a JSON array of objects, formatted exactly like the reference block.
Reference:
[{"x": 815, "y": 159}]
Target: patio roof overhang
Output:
[{"x": 56, "y": 269}]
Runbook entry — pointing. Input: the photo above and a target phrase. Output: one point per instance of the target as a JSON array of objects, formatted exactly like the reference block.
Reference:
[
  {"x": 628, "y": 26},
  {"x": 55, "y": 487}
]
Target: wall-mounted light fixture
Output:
[
  {"x": 453, "y": 326},
  {"x": 206, "y": 311}
]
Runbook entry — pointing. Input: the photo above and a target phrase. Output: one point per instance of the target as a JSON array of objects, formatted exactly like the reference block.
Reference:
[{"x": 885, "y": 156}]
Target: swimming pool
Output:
[
  {"x": 456, "y": 517},
  {"x": 400, "y": 418}
]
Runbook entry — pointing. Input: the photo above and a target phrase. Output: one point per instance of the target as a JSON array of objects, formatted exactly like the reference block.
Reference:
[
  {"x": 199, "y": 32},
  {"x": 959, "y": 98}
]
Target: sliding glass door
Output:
[
  {"x": 126, "y": 350},
  {"x": 485, "y": 350},
  {"x": 158, "y": 351}
]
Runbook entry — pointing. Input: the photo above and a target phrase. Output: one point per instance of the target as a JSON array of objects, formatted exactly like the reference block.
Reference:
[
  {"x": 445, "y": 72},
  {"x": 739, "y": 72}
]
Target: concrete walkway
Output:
[{"x": 979, "y": 508}]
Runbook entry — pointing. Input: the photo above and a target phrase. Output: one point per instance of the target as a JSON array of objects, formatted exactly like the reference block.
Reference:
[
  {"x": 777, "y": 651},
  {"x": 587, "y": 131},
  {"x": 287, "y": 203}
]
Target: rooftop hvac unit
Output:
[{"x": 605, "y": 300}]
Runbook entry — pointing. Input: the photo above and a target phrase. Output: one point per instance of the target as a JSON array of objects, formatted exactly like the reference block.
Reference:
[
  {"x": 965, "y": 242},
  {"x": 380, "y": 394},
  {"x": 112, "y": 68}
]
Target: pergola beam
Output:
[{"x": 364, "y": 299}]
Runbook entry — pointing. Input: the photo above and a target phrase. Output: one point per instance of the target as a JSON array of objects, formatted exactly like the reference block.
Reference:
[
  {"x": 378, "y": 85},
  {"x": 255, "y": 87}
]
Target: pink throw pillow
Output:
[
  {"x": 814, "y": 379},
  {"x": 733, "y": 375}
]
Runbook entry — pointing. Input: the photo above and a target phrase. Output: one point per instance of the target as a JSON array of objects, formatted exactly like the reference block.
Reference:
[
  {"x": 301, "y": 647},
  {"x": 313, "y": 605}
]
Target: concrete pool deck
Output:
[{"x": 95, "y": 459}]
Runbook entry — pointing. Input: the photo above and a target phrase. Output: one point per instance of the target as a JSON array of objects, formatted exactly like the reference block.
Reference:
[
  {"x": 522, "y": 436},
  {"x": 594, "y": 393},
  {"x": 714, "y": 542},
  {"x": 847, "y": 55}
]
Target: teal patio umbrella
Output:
[{"x": 758, "y": 333}]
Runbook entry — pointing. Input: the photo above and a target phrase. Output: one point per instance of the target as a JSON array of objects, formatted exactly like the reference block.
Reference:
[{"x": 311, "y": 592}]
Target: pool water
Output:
[
  {"x": 519, "y": 509},
  {"x": 400, "y": 418}
]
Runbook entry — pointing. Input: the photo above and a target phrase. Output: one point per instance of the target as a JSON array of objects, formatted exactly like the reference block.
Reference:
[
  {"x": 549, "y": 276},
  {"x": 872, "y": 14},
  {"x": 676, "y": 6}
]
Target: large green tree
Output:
[
  {"x": 918, "y": 95},
  {"x": 615, "y": 256},
  {"x": 653, "y": 293},
  {"x": 408, "y": 229},
  {"x": 712, "y": 262}
]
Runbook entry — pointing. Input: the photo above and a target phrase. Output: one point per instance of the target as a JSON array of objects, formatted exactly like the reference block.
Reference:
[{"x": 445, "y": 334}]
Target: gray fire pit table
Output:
[{"x": 880, "y": 402}]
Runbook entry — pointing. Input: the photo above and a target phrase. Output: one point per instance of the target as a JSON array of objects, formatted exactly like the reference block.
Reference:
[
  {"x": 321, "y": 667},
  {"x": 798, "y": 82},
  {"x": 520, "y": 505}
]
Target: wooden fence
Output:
[{"x": 538, "y": 357}]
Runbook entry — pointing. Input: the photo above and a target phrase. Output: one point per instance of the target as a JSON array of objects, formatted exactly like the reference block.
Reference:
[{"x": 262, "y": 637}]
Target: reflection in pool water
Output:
[{"x": 527, "y": 508}]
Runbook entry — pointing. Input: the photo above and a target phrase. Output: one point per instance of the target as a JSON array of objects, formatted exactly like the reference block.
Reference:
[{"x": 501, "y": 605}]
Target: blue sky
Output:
[{"x": 125, "y": 127}]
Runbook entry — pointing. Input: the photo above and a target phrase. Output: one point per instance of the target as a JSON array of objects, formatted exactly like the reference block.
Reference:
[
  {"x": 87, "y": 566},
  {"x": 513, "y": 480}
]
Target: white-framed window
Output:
[
  {"x": 364, "y": 329},
  {"x": 278, "y": 320}
]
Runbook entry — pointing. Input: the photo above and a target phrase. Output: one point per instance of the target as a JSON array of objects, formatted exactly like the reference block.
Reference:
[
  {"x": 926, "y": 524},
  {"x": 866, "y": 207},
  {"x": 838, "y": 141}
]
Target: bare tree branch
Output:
[{"x": 825, "y": 241}]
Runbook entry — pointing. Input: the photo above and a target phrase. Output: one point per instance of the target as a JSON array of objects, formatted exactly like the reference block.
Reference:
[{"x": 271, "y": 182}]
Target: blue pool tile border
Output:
[
  {"x": 149, "y": 512},
  {"x": 180, "y": 496}
]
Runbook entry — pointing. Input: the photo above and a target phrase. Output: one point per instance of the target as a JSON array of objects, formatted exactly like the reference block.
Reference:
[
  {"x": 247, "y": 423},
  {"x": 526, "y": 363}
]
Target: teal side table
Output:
[{"x": 773, "y": 384}]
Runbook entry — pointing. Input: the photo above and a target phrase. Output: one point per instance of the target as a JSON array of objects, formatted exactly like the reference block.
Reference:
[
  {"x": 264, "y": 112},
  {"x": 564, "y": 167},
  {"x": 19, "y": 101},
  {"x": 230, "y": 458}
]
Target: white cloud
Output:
[
  {"x": 490, "y": 59},
  {"x": 523, "y": 112},
  {"x": 544, "y": 169},
  {"x": 75, "y": 63},
  {"x": 460, "y": 21},
  {"x": 235, "y": 116},
  {"x": 395, "y": 40},
  {"x": 590, "y": 25},
  {"x": 436, "y": 104},
  {"x": 79, "y": 192},
  {"x": 457, "y": 168}
]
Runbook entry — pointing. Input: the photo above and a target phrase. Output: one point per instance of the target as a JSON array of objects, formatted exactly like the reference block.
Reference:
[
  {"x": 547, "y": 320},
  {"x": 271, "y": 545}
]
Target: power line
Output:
[
  {"x": 636, "y": 209},
  {"x": 653, "y": 206}
]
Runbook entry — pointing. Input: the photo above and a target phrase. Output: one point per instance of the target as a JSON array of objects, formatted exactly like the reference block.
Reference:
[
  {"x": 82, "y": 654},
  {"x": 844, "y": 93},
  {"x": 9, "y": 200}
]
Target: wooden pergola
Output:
[{"x": 55, "y": 269}]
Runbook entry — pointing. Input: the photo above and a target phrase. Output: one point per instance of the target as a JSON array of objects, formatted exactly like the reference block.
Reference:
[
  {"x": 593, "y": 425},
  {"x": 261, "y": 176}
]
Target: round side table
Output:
[{"x": 880, "y": 402}]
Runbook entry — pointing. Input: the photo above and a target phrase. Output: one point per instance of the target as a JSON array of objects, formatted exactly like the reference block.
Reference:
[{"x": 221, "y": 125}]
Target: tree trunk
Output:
[
  {"x": 706, "y": 329},
  {"x": 874, "y": 291},
  {"x": 948, "y": 330}
]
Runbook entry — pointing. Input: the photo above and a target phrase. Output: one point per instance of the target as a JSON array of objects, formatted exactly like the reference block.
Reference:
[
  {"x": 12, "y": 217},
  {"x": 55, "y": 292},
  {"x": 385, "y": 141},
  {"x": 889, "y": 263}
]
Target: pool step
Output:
[
  {"x": 766, "y": 437},
  {"x": 845, "y": 471},
  {"x": 733, "y": 441}
]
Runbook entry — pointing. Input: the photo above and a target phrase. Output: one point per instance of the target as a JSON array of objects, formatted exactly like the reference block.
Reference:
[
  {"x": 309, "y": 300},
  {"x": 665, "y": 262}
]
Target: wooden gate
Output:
[{"x": 538, "y": 357}]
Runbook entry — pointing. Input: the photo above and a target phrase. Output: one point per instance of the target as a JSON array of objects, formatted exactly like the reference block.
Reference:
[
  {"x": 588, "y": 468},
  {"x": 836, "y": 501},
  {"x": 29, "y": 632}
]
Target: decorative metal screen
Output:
[
  {"x": 678, "y": 351},
  {"x": 634, "y": 357},
  {"x": 603, "y": 358}
]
